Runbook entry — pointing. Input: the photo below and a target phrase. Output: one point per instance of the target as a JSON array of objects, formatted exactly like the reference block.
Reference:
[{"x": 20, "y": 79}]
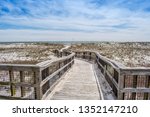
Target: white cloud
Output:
[{"x": 79, "y": 20}]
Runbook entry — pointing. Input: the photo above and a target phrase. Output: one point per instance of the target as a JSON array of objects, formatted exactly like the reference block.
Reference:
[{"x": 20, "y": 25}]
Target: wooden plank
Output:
[{"x": 78, "y": 83}]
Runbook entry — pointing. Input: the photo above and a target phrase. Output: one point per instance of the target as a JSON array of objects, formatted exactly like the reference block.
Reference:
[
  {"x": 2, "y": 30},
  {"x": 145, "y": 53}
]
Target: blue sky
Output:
[{"x": 75, "y": 20}]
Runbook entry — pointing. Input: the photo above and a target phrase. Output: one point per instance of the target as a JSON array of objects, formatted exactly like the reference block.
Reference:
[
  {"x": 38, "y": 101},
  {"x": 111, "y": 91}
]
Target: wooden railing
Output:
[
  {"x": 20, "y": 81},
  {"x": 126, "y": 82},
  {"x": 37, "y": 81}
]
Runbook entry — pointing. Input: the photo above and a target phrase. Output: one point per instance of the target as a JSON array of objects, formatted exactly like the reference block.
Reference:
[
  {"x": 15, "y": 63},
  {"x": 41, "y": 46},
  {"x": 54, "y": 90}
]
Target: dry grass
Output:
[{"x": 28, "y": 53}]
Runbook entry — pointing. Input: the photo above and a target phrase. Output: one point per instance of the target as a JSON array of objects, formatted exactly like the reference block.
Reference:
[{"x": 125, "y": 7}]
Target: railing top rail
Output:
[
  {"x": 135, "y": 69},
  {"x": 18, "y": 67}
]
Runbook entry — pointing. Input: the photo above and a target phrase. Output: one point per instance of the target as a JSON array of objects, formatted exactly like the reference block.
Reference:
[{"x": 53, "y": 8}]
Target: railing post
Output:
[
  {"x": 38, "y": 79},
  {"x": 72, "y": 61},
  {"x": 22, "y": 79},
  {"x": 104, "y": 73},
  {"x": 120, "y": 86},
  {"x": 90, "y": 56},
  {"x": 76, "y": 54},
  {"x": 11, "y": 75},
  {"x": 59, "y": 74}
]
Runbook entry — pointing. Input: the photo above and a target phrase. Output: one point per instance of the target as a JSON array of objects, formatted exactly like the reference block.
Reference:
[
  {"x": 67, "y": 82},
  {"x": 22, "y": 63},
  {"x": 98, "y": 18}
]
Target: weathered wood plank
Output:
[{"x": 78, "y": 83}]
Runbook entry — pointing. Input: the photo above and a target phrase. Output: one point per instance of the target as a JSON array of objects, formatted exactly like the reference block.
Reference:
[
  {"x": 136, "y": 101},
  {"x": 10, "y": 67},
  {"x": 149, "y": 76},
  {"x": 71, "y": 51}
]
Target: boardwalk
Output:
[{"x": 78, "y": 83}]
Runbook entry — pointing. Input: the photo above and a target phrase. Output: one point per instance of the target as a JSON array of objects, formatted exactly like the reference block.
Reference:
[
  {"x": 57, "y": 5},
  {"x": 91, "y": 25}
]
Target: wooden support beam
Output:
[
  {"x": 145, "y": 96},
  {"x": 22, "y": 79},
  {"x": 134, "y": 81},
  {"x": 120, "y": 86},
  {"x": 38, "y": 89},
  {"x": 11, "y": 76},
  {"x": 133, "y": 96}
]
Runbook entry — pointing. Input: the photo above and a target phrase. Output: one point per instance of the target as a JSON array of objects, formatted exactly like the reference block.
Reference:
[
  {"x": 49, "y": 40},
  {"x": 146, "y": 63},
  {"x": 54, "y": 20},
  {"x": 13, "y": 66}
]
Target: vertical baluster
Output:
[
  {"x": 22, "y": 79},
  {"x": 37, "y": 88},
  {"x": 11, "y": 75},
  {"x": 120, "y": 86},
  {"x": 134, "y": 81}
]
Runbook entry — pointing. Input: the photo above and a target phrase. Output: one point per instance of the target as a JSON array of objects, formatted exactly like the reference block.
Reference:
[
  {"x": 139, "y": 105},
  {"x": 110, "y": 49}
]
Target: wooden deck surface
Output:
[{"x": 79, "y": 83}]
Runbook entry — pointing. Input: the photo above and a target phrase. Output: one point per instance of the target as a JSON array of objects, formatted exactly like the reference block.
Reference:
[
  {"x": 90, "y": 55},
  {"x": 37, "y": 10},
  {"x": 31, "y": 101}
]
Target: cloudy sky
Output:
[{"x": 74, "y": 20}]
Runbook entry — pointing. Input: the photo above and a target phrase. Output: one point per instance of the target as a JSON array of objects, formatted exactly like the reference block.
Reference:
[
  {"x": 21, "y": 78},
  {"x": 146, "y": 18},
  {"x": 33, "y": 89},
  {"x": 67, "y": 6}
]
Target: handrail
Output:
[{"x": 118, "y": 75}]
